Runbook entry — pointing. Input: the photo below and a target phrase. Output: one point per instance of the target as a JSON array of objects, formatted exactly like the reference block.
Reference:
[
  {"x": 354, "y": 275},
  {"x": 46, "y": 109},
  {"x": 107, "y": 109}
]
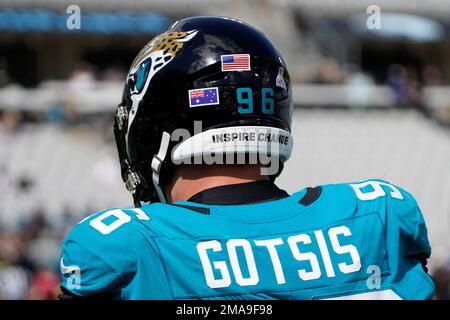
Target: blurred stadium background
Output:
[{"x": 369, "y": 103}]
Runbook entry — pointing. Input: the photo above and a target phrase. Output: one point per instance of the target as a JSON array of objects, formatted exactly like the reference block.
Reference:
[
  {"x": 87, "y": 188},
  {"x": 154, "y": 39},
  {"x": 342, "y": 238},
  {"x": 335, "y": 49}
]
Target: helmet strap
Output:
[{"x": 157, "y": 163}]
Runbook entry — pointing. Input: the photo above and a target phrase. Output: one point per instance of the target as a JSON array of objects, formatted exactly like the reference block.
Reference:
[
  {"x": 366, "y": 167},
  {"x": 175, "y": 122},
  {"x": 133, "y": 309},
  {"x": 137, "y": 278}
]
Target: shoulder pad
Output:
[
  {"x": 102, "y": 251},
  {"x": 398, "y": 208}
]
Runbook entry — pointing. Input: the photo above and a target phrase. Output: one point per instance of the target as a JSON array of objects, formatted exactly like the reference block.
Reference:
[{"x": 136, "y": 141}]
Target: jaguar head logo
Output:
[{"x": 153, "y": 57}]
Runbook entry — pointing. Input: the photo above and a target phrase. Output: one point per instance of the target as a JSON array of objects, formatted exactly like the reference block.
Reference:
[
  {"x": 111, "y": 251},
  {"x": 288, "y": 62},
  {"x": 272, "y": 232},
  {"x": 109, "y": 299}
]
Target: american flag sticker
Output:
[
  {"x": 203, "y": 97},
  {"x": 235, "y": 62}
]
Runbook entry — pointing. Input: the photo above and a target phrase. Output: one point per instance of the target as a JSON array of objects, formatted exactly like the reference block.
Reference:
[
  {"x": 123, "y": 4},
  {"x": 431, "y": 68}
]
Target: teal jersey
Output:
[{"x": 353, "y": 241}]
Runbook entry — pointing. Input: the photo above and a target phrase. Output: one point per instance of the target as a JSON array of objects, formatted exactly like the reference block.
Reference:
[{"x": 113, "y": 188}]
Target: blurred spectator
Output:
[
  {"x": 413, "y": 89},
  {"x": 81, "y": 79},
  {"x": 13, "y": 282},
  {"x": 406, "y": 86},
  {"x": 397, "y": 82},
  {"x": 82, "y": 76},
  {"x": 29, "y": 260},
  {"x": 359, "y": 85},
  {"x": 43, "y": 285},
  {"x": 114, "y": 73},
  {"x": 9, "y": 121},
  {"x": 431, "y": 76},
  {"x": 442, "y": 280},
  {"x": 24, "y": 183},
  {"x": 14, "y": 277},
  {"x": 4, "y": 77},
  {"x": 5, "y": 181},
  {"x": 35, "y": 225},
  {"x": 329, "y": 72},
  {"x": 55, "y": 114}
]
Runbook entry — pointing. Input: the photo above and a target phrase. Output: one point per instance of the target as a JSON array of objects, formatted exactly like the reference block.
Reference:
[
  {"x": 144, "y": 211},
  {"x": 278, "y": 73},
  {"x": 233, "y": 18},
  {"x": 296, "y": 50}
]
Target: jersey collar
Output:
[{"x": 242, "y": 193}]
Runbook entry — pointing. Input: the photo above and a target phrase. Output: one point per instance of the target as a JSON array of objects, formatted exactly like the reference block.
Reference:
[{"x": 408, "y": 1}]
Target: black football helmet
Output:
[{"x": 220, "y": 71}]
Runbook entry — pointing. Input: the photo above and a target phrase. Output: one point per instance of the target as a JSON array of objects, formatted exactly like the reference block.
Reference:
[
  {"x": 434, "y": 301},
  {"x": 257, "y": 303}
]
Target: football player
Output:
[{"x": 202, "y": 132}]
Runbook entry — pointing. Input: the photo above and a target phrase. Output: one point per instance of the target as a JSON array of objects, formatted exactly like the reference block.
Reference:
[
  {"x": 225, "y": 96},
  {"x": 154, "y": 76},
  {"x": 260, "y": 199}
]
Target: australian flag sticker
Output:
[{"x": 203, "y": 97}]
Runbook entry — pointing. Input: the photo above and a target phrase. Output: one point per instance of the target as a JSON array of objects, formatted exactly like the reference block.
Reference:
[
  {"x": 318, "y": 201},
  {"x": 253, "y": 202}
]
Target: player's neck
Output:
[{"x": 192, "y": 179}]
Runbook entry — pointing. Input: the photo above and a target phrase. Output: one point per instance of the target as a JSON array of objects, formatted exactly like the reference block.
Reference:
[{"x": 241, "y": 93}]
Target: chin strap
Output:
[{"x": 157, "y": 162}]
